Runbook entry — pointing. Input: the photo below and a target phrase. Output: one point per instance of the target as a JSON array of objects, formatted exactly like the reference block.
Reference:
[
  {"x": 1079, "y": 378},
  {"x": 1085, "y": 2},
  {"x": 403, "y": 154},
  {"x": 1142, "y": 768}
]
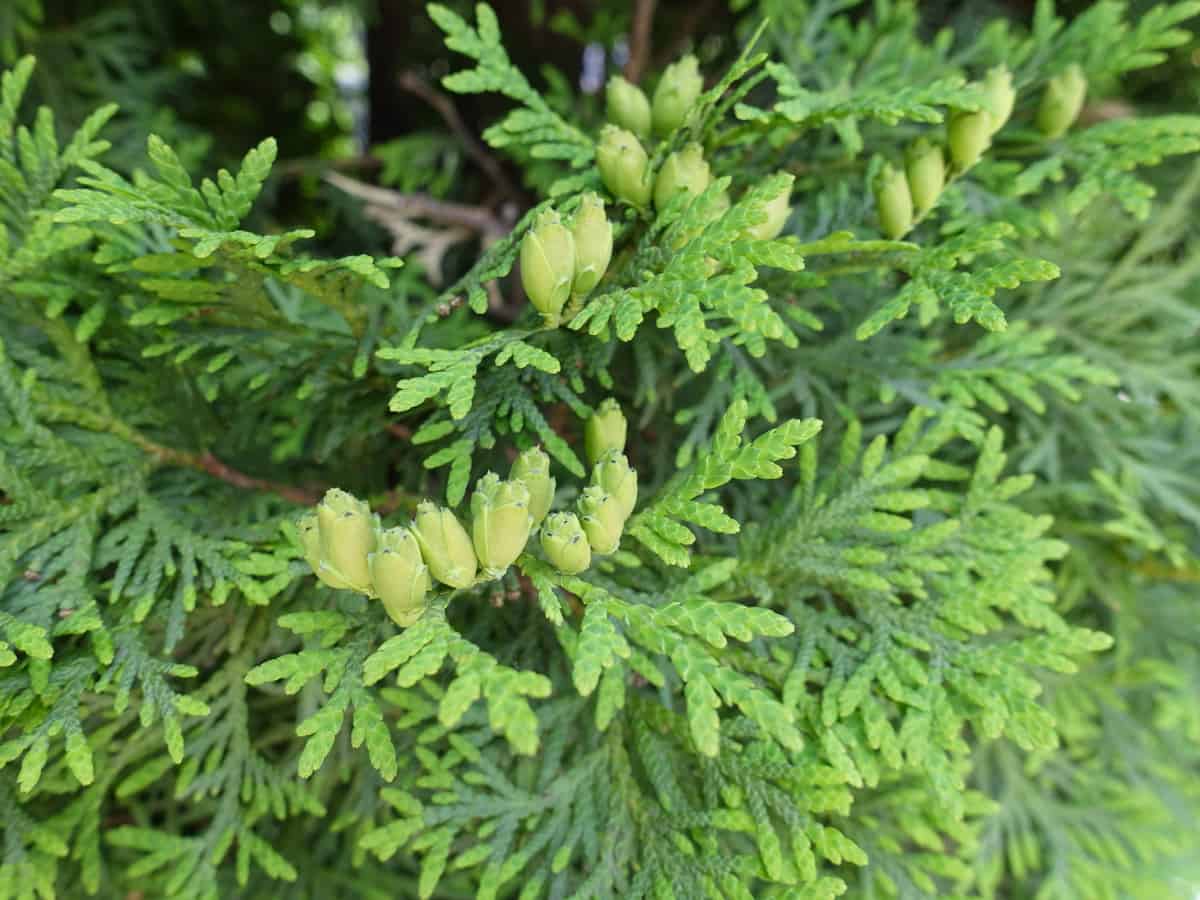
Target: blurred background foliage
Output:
[{"x": 345, "y": 83}]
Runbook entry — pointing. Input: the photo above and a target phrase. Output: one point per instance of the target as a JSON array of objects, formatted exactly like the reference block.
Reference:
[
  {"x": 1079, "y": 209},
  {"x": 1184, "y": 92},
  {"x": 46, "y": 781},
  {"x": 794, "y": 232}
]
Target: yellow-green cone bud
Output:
[
  {"x": 347, "y": 530},
  {"x": 777, "y": 210},
  {"x": 1001, "y": 95},
  {"x": 310, "y": 542},
  {"x": 684, "y": 171},
  {"x": 532, "y": 469},
  {"x": 548, "y": 265},
  {"x": 593, "y": 244},
  {"x": 677, "y": 90},
  {"x": 400, "y": 576},
  {"x": 926, "y": 170},
  {"x": 968, "y": 135},
  {"x": 565, "y": 544},
  {"x": 445, "y": 545},
  {"x": 627, "y": 106},
  {"x": 605, "y": 430},
  {"x": 894, "y": 202},
  {"x": 624, "y": 166},
  {"x": 1062, "y": 102},
  {"x": 613, "y": 474},
  {"x": 499, "y": 522},
  {"x": 601, "y": 519}
]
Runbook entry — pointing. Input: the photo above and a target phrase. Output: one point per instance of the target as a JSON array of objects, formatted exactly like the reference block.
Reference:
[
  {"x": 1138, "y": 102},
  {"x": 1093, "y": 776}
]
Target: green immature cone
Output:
[
  {"x": 968, "y": 134},
  {"x": 310, "y": 541},
  {"x": 532, "y": 469},
  {"x": 627, "y": 106},
  {"x": 685, "y": 171},
  {"x": 605, "y": 430},
  {"x": 676, "y": 94},
  {"x": 777, "y": 210},
  {"x": 894, "y": 203},
  {"x": 548, "y": 265},
  {"x": 613, "y": 474},
  {"x": 499, "y": 522},
  {"x": 926, "y": 169},
  {"x": 445, "y": 545},
  {"x": 601, "y": 518},
  {"x": 565, "y": 544},
  {"x": 1001, "y": 95},
  {"x": 593, "y": 244},
  {"x": 624, "y": 166},
  {"x": 400, "y": 576},
  {"x": 347, "y": 529},
  {"x": 1062, "y": 102}
]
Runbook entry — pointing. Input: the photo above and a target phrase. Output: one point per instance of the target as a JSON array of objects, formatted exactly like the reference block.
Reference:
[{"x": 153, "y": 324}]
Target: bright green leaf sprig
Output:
[
  {"x": 663, "y": 526},
  {"x": 534, "y": 127},
  {"x": 700, "y": 271}
]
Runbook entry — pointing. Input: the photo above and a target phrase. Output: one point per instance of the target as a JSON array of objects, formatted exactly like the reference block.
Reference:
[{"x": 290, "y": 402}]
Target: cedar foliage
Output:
[{"x": 906, "y": 608}]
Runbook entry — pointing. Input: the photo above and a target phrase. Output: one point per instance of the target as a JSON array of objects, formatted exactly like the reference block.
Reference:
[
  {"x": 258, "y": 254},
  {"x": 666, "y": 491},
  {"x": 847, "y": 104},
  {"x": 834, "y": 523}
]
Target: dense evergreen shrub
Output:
[{"x": 859, "y": 556}]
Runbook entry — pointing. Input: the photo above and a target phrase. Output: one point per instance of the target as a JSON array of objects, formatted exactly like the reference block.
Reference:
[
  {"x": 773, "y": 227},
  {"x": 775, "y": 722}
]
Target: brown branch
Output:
[
  {"x": 444, "y": 106},
  {"x": 639, "y": 39},
  {"x": 213, "y": 466},
  {"x": 203, "y": 462},
  {"x": 208, "y": 463},
  {"x": 395, "y": 212},
  {"x": 461, "y": 215},
  {"x": 395, "y": 499}
]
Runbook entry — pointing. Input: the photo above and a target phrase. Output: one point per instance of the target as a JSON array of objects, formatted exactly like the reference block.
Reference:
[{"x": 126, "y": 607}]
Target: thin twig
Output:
[
  {"x": 457, "y": 222},
  {"x": 477, "y": 218},
  {"x": 204, "y": 461},
  {"x": 208, "y": 463},
  {"x": 395, "y": 212},
  {"x": 96, "y": 414},
  {"x": 415, "y": 84},
  {"x": 639, "y": 39}
]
